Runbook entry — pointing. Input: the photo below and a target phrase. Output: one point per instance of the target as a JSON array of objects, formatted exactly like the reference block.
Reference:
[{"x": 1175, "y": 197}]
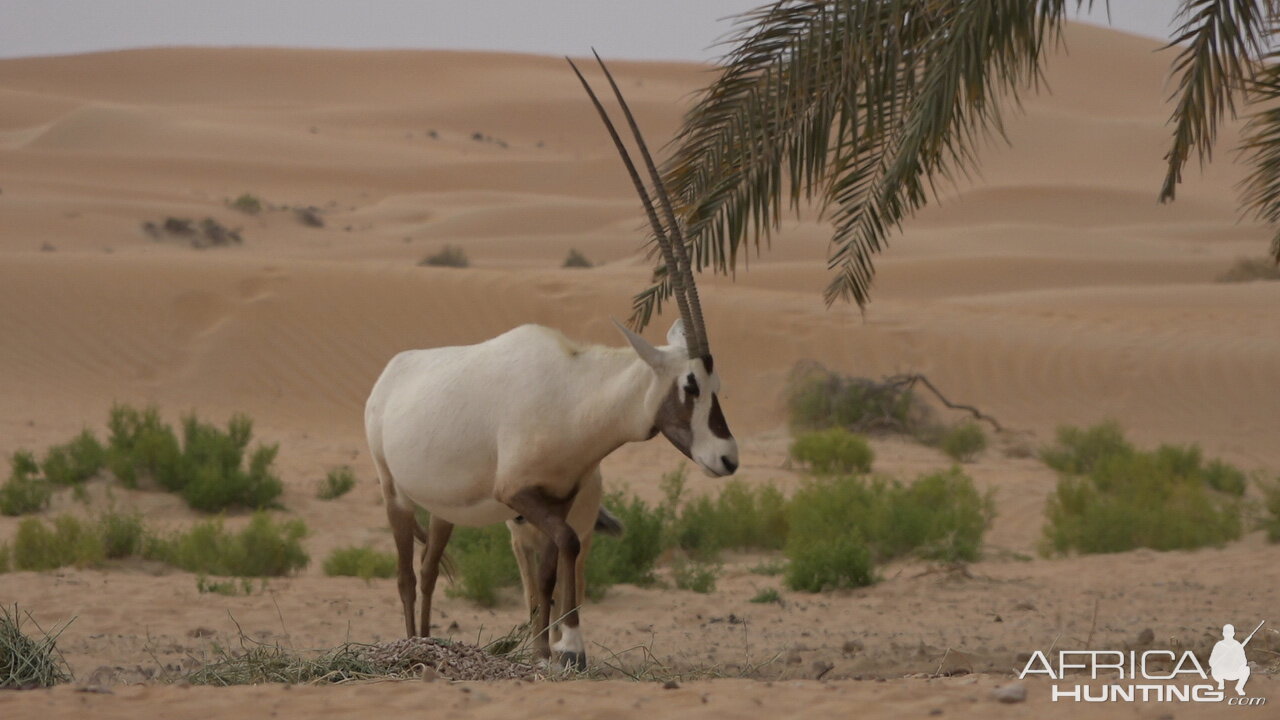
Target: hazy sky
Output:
[{"x": 648, "y": 29}]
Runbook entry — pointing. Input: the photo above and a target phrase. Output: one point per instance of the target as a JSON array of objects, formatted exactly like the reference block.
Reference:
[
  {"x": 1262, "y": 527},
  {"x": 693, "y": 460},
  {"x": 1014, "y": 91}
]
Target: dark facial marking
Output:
[
  {"x": 675, "y": 420},
  {"x": 716, "y": 422},
  {"x": 691, "y": 385},
  {"x": 709, "y": 363}
]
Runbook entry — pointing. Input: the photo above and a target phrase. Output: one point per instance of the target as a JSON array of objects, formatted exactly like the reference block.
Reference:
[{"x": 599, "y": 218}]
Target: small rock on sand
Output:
[{"x": 1014, "y": 692}]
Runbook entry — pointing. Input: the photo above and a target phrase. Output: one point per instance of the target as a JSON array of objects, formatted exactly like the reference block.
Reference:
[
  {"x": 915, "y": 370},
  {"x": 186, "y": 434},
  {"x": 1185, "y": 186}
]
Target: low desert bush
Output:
[
  {"x": 254, "y": 663},
  {"x": 247, "y": 204},
  {"x": 74, "y": 462},
  {"x": 1079, "y": 450},
  {"x": 842, "y": 526},
  {"x": 69, "y": 542},
  {"x": 699, "y": 577},
  {"x": 963, "y": 442},
  {"x": 337, "y": 482},
  {"x": 28, "y": 661},
  {"x": 1112, "y": 497},
  {"x": 264, "y": 548},
  {"x": 361, "y": 562},
  {"x": 739, "y": 517},
  {"x": 207, "y": 468},
  {"x": 484, "y": 561},
  {"x": 818, "y": 399},
  {"x": 833, "y": 451},
  {"x": 1271, "y": 505},
  {"x": 449, "y": 256},
  {"x": 769, "y": 595},
  {"x": 576, "y": 260},
  {"x": 631, "y": 557},
  {"x": 122, "y": 534},
  {"x": 1247, "y": 269},
  {"x": 25, "y": 491}
]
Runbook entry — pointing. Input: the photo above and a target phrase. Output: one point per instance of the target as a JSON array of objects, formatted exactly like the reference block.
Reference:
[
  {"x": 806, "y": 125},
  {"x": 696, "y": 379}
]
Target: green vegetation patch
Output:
[
  {"x": 25, "y": 491},
  {"x": 337, "y": 482},
  {"x": 1112, "y": 497},
  {"x": 484, "y": 561},
  {"x": 842, "y": 526},
  {"x": 963, "y": 442},
  {"x": 207, "y": 468},
  {"x": 264, "y": 548},
  {"x": 361, "y": 562},
  {"x": 833, "y": 451}
]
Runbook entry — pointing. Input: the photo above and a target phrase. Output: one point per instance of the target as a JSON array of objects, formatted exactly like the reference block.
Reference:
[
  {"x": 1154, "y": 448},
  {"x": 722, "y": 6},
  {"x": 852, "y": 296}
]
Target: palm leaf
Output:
[{"x": 1222, "y": 42}]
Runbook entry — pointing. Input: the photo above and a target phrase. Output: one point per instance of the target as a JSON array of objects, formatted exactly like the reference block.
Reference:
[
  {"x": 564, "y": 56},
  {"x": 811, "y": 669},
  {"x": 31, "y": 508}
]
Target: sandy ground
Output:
[{"x": 1052, "y": 290}]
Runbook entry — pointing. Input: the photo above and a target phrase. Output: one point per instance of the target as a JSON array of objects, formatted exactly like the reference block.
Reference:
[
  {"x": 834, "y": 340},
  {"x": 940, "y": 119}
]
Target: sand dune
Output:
[{"x": 1050, "y": 289}]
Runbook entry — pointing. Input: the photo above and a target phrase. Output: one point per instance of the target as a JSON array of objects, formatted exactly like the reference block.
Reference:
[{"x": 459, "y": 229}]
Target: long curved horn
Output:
[
  {"x": 699, "y": 346},
  {"x": 664, "y": 244}
]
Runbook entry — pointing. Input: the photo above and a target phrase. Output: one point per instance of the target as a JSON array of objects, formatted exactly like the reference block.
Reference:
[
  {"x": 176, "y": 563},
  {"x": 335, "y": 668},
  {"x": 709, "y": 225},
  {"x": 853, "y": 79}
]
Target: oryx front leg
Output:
[{"x": 562, "y": 550}]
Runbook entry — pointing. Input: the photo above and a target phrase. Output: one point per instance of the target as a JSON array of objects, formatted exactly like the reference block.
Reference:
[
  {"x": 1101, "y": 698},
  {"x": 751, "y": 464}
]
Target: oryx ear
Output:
[
  {"x": 651, "y": 355},
  {"x": 675, "y": 336}
]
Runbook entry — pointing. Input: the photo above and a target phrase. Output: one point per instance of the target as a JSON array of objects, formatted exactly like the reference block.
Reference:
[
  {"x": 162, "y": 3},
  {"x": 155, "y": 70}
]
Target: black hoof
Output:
[{"x": 570, "y": 660}]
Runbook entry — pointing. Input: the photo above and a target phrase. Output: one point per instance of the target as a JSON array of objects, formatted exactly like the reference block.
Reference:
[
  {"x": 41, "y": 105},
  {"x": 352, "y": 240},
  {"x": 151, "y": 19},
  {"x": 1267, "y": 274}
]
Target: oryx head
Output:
[{"x": 690, "y": 415}]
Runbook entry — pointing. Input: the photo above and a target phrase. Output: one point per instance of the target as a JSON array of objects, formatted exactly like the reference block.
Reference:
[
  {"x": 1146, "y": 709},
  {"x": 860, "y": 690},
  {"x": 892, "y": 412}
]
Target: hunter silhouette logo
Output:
[
  {"x": 1150, "y": 675},
  {"x": 1227, "y": 662}
]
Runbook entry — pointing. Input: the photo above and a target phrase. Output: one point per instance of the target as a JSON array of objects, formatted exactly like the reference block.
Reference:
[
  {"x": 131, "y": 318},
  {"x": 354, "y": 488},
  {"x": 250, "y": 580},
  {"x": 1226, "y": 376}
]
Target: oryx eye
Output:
[{"x": 691, "y": 386}]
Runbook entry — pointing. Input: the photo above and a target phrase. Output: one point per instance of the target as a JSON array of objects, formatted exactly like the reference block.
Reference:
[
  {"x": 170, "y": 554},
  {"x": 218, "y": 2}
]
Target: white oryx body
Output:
[
  {"x": 455, "y": 423},
  {"x": 518, "y": 425}
]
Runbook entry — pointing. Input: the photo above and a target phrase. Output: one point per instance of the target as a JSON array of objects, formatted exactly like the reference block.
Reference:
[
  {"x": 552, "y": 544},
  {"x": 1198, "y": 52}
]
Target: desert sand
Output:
[{"x": 1050, "y": 289}]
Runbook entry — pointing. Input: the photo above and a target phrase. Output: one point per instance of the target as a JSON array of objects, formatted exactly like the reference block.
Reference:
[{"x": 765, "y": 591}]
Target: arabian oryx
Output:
[{"x": 516, "y": 426}]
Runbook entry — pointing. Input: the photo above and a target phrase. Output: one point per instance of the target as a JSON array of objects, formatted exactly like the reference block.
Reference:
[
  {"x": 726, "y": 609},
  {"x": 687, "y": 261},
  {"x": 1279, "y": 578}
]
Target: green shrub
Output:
[
  {"x": 449, "y": 256},
  {"x": 24, "y": 492},
  {"x": 75, "y": 461},
  {"x": 963, "y": 442},
  {"x": 1224, "y": 478},
  {"x": 1079, "y": 450},
  {"x": 833, "y": 451},
  {"x": 141, "y": 444},
  {"x": 842, "y": 526},
  {"x": 247, "y": 204},
  {"x": 361, "y": 562},
  {"x": 738, "y": 517},
  {"x": 1271, "y": 498},
  {"x": 484, "y": 561},
  {"x": 818, "y": 399},
  {"x": 337, "y": 482},
  {"x": 68, "y": 542},
  {"x": 699, "y": 577},
  {"x": 770, "y": 595},
  {"x": 941, "y": 516},
  {"x": 212, "y": 465},
  {"x": 265, "y": 548},
  {"x": 207, "y": 468},
  {"x": 122, "y": 534},
  {"x": 1138, "y": 499},
  {"x": 576, "y": 260},
  {"x": 631, "y": 557},
  {"x": 27, "y": 662}
]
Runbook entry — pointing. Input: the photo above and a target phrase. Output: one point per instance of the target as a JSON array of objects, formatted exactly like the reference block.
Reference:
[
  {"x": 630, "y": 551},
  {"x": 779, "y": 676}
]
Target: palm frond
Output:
[
  {"x": 863, "y": 105},
  {"x": 1223, "y": 41},
  {"x": 1261, "y": 149}
]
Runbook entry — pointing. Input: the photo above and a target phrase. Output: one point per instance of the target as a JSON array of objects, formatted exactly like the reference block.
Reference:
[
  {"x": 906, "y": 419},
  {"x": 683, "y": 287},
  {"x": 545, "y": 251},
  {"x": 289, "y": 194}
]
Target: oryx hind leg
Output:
[
  {"x": 438, "y": 532},
  {"x": 404, "y": 528}
]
